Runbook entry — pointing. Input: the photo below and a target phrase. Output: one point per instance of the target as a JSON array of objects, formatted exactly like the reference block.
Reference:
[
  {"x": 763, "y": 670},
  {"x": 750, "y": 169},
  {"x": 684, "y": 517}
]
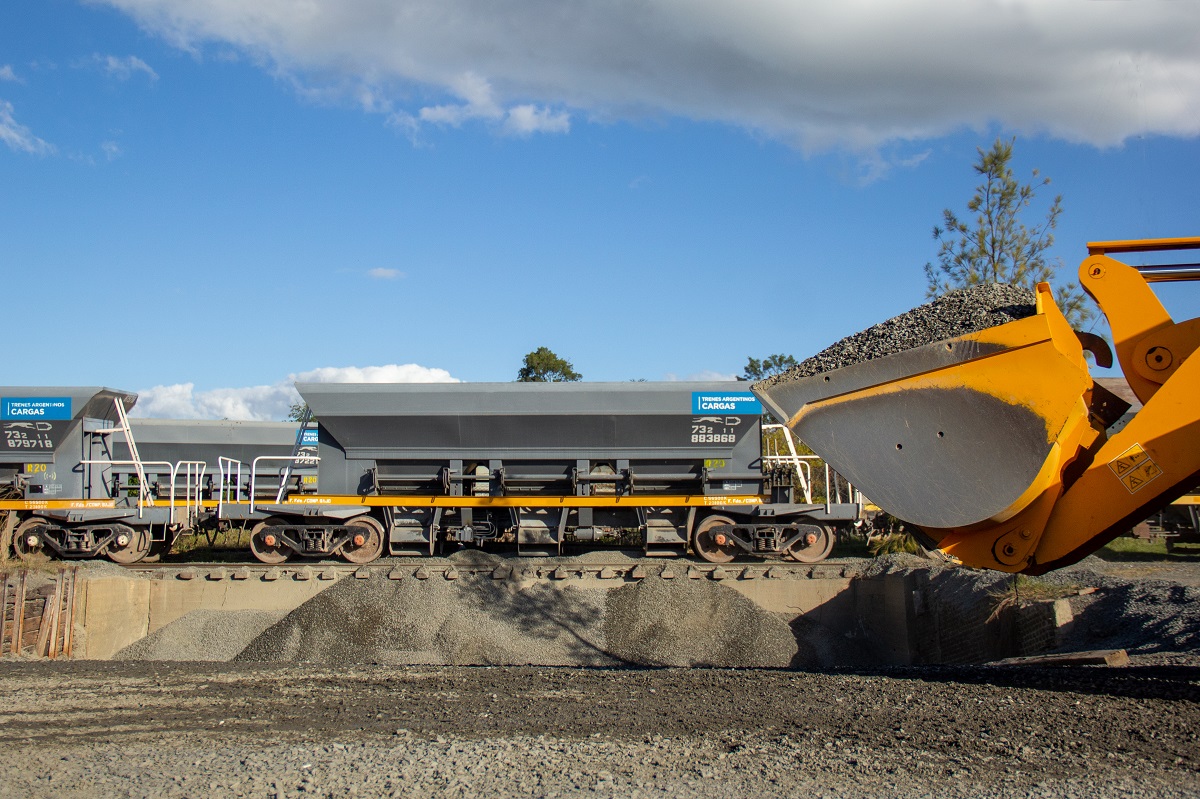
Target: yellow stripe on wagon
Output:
[
  {"x": 426, "y": 501},
  {"x": 430, "y": 501}
]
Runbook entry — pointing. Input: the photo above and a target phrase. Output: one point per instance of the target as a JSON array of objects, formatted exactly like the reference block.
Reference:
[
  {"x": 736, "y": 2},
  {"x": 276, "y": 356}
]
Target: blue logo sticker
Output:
[
  {"x": 308, "y": 437},
  {"x": 735, "y": 403},
  {"x": 56, "y": 408}
]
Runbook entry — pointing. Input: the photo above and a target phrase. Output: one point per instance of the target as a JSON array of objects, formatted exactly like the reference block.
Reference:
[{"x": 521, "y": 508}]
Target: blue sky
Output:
[{"x": 203, "y": 201}]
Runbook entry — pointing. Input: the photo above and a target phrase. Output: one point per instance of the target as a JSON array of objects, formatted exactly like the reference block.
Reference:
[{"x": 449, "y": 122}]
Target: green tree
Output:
[
  {"x": 767, "y": 367},
  {"x": 543, "y": 366},
  {"x": 296, "y": 412},
  {"x": 996, "y": 246}
]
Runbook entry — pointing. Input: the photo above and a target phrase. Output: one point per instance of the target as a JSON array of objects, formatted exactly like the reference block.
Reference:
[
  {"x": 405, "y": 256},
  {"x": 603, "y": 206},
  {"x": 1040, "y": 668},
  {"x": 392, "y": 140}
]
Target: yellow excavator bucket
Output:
[{"x": 981, "y": 440}]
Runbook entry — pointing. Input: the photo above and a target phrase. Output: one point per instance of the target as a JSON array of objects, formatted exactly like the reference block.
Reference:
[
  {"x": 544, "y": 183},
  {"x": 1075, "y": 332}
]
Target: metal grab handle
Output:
[{"x": 289, "y": 459}]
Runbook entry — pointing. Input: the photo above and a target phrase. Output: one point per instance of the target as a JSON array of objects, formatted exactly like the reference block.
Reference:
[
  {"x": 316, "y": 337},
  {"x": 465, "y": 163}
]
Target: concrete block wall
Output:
[{"x": 1041, "y": 626}]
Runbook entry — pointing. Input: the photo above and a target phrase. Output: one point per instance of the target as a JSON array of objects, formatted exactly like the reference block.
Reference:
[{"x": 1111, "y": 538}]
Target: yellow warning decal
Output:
[{"x": 1134, "y": 468}]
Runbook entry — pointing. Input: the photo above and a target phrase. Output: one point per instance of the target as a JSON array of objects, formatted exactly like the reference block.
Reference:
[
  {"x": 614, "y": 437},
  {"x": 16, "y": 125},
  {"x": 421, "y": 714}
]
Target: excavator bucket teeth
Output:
[{"x": 960, "y": 432}]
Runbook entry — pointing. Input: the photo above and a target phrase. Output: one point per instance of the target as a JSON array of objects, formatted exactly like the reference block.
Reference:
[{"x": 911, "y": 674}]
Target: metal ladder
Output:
[
  {"x": 145, "y": 497},
  {"x": 285, "y": 474}
]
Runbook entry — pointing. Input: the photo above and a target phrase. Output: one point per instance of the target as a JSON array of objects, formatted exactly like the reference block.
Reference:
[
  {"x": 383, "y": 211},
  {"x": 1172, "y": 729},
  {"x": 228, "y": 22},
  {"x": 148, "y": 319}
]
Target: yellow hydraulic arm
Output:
[
  {"x": 995, "y": 443},
  {"x": 1156, "y": 457}
]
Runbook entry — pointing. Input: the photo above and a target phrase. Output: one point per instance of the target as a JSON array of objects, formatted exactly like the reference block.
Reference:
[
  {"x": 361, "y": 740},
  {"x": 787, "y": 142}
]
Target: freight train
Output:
[{"x": 414, "y": 469}]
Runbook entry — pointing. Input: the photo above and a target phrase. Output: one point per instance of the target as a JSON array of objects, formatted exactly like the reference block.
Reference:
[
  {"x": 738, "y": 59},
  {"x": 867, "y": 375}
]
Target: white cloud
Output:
[
  {"x": 6, "y": 73},
  {"x": 125, "y": 68},
  {"x": 111, "y": 150},
  {"x": 524, "y": 120},
  {"x": 266, "y": 403},
  {"x": 706, "y": 376},
  {"x": 176, "y": 401},
  {"x": 17, "y": 136},
  {"x": 381, "y": 273},
  {"x": 391, "y": 373},
  {"x": 478, "y": 103},
  {"x": 845, "y": 73}
]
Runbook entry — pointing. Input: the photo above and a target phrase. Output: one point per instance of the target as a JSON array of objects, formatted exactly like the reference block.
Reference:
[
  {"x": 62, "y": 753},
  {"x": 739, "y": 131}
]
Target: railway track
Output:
[{"x": 515, "y": 568}]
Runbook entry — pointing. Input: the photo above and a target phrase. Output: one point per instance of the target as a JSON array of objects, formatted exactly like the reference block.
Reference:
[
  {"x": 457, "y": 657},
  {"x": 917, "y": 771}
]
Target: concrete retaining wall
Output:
[
  {"x": 118, "y": 610},
  {"x": 897, "y": 618}
]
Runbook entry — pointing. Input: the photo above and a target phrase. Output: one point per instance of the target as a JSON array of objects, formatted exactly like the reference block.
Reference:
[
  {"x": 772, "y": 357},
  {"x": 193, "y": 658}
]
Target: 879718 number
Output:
[{"x": 19, "y": 439}]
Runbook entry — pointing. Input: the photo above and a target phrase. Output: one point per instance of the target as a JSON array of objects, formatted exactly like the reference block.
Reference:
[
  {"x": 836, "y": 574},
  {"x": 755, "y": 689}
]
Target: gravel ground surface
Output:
[
  {"x": 956, "y": 313},
  {"x": 198, "y": 730},
  {"x": 344, "y": 729}
]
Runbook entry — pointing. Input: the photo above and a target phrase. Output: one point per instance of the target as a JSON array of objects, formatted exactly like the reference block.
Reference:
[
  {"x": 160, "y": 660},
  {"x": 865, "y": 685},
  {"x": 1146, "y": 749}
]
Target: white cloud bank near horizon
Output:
[
  {"x": 271, "y": 402},
  {"x": 819, "y": 74}
]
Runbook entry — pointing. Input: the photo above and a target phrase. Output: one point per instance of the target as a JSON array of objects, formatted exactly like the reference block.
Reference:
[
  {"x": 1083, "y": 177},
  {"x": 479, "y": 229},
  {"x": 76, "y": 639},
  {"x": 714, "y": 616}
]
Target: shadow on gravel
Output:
[
  {"x": 1178, "y": 553},
  {"x": 1142, "y": 617},
  {"x": 1136, "y": 682}
]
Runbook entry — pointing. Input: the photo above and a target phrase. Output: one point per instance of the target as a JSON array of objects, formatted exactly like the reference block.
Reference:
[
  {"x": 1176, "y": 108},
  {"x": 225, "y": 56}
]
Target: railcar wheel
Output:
[
  {"x": 814, "y": 546},
  {"x": 27, "y": 544},
  {"x": 714, "y": 545},
  {"x": 367, "y": 542},
  {"x": 265, "y": 547},
  {"x": 135, "y": 547},
  {"x": 157, "y": 550}
]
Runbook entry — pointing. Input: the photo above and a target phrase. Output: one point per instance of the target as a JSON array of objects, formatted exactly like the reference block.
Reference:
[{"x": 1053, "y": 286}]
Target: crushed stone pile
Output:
[
  {"x": 695, "y": 623},
  {"x": 469, "y": 621},
  {"x": 1144, "y": 617},
  {"x": 480, "y": 621},
  {"x": 956, "y": 313},
  {"x": 202, "y": 635}
]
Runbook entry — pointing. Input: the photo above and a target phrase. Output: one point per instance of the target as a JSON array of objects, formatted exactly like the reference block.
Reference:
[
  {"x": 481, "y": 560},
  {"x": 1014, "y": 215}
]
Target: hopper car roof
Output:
[{"x": 508, "y": 399}]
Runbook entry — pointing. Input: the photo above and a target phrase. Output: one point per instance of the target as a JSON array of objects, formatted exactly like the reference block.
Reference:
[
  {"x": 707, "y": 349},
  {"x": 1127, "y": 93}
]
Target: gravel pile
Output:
[
  {"x": 469, "y": 621},
  {"x": 954, "y": 314},
  {"x": 1155, "y": 619},
  {"x": 481, "y": 621},
  {"x": 694, "y": 623},
  {"x": 206, "y": 635}
]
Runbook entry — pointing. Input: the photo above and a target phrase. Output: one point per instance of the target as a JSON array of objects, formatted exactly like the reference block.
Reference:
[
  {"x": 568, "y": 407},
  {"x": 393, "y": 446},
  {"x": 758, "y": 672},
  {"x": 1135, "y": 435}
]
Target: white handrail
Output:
[
  {"x": 143, "y": 488},
  {"x": 804, "y": 470},
  {"x": 283, "y": 458},
  {"x": 796, "y": 460},
  {"x": 192, "y": 500},
  {"x": 227, "y": 466}
]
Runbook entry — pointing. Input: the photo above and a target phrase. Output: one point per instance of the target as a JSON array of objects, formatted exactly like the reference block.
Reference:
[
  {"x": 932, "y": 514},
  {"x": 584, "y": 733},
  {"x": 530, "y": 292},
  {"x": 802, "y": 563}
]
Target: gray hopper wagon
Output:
[
  {"x": 409, "y": 468},
  {"x": 80, "y": 479},
  {"x": 56, "y": 475}
]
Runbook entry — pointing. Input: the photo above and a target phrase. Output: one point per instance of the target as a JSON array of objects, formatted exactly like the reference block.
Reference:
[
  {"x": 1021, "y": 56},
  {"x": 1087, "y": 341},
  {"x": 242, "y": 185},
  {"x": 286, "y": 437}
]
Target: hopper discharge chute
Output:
[{"x": 992, "y": 439}]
